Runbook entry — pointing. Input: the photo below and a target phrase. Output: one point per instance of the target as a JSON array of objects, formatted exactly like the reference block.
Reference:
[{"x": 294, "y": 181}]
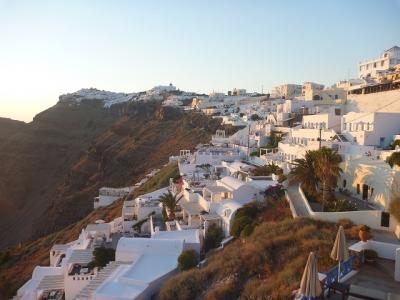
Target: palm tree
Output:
[
  {"x": 170, "y": 202},
  {"x": 327, "y": 170},
  {"x": 305, "y": 172}
]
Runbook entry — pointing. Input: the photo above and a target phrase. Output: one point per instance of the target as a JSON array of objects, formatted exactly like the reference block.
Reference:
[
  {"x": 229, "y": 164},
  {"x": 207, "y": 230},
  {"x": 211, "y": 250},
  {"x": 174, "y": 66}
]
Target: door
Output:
[{"x": 365, "y": 192}]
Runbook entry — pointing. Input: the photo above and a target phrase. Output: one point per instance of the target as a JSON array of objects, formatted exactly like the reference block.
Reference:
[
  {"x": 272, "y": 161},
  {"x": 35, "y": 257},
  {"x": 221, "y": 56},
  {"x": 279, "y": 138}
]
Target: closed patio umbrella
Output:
[
  {"x": 310, "y": 287},
  {"x": 339, "y": 250}
]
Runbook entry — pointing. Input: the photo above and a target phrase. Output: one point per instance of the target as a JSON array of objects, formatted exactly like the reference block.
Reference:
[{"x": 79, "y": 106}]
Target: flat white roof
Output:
[
  {"x": 80, "y": 256},
  {"x": 155, "y": 194},
  {"x": 52, "y": 282},
  {"x": 60, "y": 247},
  {"x": 152, "y": 259},
  {"x": 134, "y": 247},
  {"x": 262, "y": 184},
  {"x": 150, "y": 267},
  {"x": 231, "y": 182},
  {"x": 217, "y": 189},
  {"x": 98, "y": 227}
]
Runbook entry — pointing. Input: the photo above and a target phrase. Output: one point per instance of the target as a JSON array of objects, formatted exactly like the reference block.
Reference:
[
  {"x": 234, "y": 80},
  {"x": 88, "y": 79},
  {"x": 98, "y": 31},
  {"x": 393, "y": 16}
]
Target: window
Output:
[
  {"x": 358, "y": 189},
  {"x": 344, "y": 183},
  {"x": 382, "y": 63},
  {"x": 375, "y": 65}
]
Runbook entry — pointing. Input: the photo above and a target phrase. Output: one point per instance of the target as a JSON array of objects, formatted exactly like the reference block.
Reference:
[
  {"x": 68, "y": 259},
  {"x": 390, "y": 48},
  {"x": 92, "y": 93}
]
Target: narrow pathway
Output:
[{"x": 297, "y": 201}]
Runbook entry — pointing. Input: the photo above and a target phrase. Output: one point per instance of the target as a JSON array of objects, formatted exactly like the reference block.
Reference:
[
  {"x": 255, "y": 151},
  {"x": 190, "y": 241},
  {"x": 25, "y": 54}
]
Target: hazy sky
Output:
[{"x": 52, "y": 47}]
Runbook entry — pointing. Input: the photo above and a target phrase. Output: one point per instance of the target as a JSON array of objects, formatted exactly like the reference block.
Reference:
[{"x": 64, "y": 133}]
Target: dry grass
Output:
[{"x": 266, "y": 265}]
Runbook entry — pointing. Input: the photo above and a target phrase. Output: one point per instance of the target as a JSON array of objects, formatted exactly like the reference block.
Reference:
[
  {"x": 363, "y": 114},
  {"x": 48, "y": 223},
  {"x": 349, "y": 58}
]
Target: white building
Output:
[
  {"x": 287, "y": 91},
  {"x": 159, "y": 89},
  {"x": 310, "y": 87},
  {"x": 108, "y": 195},
  {"x": 372, "y": 129},
  {"x": 144, "y": 265},
  {"x": 388, "y": 59},
  {"x": 141, "y": 208},
  {"x": 191, "y": 238},
  {"x": 371, "y": 180},
  {"x": 322, "y": 121}
]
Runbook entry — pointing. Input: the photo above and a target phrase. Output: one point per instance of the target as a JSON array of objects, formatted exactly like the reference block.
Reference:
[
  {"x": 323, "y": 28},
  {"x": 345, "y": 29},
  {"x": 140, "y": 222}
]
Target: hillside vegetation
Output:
[
  {"x": 20, "y": 260},
  {"x": 267, "y": 264}
]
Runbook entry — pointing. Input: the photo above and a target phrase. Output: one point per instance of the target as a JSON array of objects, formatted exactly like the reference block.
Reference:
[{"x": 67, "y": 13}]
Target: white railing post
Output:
[{"x": 397, "y": 265}]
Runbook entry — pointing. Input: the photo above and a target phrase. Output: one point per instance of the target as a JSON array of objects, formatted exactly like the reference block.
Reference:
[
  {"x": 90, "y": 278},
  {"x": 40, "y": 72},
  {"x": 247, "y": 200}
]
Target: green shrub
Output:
[
  {"x": 370, "y": 254},
  {"x": 248, "y": 229},
  {"x": 255, "y": 153},
  {"x": 102, "y": 256},
  {"x": 239, "y": 223},
  {"x": 187, "y": 260},
  {"x": 213, "y": 238},
  {"x": 339, "y": 205}
]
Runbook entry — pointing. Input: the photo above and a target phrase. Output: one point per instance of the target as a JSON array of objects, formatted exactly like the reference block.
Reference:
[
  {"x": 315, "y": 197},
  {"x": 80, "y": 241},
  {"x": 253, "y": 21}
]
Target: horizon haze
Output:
[{"x": 51, "y": 48}]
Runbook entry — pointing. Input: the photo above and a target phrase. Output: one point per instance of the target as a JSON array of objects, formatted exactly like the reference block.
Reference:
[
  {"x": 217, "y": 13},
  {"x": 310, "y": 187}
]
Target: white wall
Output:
[
  {"x": 384, "y": 101},
  {"x": 73, "y": 287},
  {"x": 384, "y": 250},
  {"x": 371, "y": 218}
]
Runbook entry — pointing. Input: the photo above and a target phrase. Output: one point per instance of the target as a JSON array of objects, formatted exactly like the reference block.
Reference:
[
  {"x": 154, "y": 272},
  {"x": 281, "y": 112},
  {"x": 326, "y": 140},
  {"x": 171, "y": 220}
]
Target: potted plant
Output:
[
  {"x": 370, "y": 256},
  {"x": 364, "y": 233}
]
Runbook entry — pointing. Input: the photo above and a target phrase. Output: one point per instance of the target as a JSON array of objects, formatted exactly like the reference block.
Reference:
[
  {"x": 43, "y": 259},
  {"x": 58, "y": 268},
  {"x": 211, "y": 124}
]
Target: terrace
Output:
[
  {"x": 371, "y": 281},
  {"x": 363, "y": 278}
]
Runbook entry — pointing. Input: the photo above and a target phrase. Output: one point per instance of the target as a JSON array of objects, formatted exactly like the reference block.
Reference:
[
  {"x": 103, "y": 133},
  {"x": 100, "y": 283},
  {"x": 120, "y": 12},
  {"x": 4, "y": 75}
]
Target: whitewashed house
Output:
[
  {"x": 371, "y": 129},
  {"x": 141, "y": 208},
  {"x": 108, "y": 195}
]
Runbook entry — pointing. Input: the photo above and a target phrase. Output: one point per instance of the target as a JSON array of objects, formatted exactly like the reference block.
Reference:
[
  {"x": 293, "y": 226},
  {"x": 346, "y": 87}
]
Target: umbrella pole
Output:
[{"x": 338, "y": 274}]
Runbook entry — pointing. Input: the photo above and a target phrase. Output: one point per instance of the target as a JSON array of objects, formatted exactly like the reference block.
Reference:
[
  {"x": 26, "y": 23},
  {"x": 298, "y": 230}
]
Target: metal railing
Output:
[{"x": 345, "y": 268}]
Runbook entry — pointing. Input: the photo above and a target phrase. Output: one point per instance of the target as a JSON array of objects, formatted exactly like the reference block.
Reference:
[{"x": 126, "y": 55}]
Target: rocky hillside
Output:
[
  {"x": 52, "y": 167},
  {"x": 9, "y": 127},
  {"x": 18, "y": 262}
]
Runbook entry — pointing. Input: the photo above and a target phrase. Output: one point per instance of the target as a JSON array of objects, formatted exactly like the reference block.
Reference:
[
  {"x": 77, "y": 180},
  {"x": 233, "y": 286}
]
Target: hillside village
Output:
[{"x": 353, "y": 127}]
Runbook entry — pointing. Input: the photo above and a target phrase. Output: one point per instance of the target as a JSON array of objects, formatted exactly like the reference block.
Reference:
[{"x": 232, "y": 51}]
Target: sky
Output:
[{"x": 48, "y": 48}]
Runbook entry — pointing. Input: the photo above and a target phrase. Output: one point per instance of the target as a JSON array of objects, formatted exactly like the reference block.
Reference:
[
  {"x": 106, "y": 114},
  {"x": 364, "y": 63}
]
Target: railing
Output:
[{"x": 345, "y": 268}]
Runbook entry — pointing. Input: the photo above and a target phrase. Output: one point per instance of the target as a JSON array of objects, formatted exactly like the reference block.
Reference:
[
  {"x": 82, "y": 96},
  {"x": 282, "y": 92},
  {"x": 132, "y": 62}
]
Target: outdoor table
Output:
[
  {"x": 341, "y": 287},
  {"x": 359, "y": 248}
]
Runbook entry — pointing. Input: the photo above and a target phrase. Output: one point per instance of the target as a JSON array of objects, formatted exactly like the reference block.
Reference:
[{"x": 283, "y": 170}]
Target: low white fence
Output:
[
  {"x": 384, "y": 250},
  {"x": 371, "y": 218},
  {"x": 292, "y": 209}
]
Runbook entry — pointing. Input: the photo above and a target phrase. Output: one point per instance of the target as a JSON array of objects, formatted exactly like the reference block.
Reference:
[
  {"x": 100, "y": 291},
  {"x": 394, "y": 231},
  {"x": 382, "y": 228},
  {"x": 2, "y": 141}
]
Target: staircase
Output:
[{"x": 102, "y": 275}]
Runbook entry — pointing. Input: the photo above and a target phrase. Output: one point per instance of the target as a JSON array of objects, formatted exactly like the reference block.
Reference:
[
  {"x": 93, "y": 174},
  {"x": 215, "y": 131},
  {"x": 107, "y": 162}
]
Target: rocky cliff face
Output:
[{"x": 52, "y": 167}]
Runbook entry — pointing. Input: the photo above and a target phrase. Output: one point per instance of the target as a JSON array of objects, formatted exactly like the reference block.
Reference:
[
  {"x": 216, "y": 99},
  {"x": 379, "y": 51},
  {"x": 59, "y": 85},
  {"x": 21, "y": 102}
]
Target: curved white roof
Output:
[
  {"x": 188, "y": 236},
  {"x": 233, "y": 206}
]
